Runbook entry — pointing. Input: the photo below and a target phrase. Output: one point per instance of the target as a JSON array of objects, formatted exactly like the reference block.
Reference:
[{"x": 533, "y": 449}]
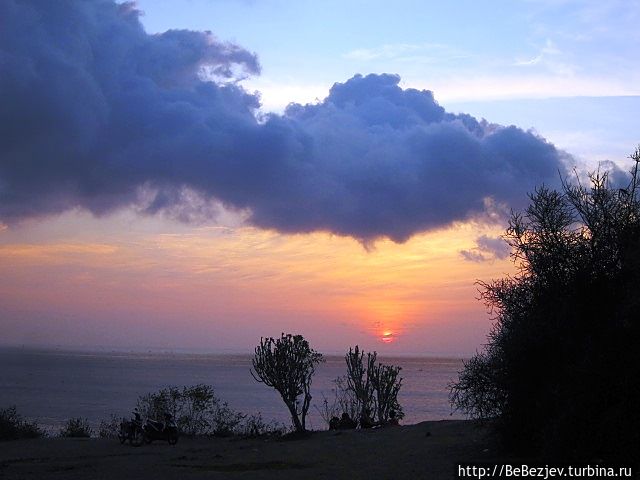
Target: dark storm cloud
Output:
[{"x": 97, "y": 114}]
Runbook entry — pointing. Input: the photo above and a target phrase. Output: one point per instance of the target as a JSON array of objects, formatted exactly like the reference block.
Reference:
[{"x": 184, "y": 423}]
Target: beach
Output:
[{"x": 424, "y": 450}]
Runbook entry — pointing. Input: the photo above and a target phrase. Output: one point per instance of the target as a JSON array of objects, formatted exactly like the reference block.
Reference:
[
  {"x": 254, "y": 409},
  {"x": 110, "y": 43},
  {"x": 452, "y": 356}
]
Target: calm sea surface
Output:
[{"x": 52, "y": 386}]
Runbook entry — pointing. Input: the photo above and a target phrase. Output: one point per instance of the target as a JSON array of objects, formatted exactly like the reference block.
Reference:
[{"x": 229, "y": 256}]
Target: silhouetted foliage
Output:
[
  {"x": 76, "y": 428},
  {"x": 561, "y": 370},
  {"x": 287, "y": 364},
  {"x": 225, "y": 421},
  {"x": 374, "y": 386},
  {"x": 156, "y": 404},
  {"x": 13, "y": 426},
  {"x": 359, "y": 381},
  {"x": 343, "y": 400},
  {"x": 386, "y": 385},
  {"x": 110, "y": 428},
  {"x": 255, "y": 426},
  {"x": 196, "y": 410}
]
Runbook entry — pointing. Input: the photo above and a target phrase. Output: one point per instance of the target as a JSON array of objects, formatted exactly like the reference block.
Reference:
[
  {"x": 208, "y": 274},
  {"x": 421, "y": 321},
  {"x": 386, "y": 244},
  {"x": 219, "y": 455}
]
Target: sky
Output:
[{"x": 196, "y": 174}]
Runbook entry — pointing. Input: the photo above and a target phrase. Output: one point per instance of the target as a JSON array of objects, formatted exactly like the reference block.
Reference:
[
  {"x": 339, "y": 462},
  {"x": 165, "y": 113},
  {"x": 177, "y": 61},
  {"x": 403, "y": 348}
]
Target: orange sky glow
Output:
[{"x": 132, "y": 282}]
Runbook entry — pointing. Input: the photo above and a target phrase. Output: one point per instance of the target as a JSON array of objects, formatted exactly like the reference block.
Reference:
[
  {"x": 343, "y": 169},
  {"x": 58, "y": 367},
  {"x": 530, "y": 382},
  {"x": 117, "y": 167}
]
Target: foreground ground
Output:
[{"x": 427, "y": 450}]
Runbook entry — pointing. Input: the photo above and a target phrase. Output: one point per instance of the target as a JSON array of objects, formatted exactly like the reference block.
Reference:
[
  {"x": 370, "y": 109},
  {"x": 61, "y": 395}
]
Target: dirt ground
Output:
[{"x": 427, "y": 450}]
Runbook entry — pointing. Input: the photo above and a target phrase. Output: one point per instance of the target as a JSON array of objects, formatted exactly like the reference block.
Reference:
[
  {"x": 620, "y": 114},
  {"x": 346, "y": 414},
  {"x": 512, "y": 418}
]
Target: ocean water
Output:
[{"x": 53, "y": 386}]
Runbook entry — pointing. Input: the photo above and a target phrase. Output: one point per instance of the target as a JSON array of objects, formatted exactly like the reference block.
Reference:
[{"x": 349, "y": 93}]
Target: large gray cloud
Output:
[{"x": 98, "y": 114}]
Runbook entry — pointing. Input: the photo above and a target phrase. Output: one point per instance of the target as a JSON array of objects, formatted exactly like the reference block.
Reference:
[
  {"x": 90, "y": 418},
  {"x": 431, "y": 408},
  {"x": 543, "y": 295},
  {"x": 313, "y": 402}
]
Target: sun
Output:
[{"x": 388, "y": 337}]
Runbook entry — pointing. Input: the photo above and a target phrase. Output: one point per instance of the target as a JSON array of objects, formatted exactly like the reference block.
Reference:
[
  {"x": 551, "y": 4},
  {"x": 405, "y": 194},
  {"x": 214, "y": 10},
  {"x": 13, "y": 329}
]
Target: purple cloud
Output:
[{"x": 97, "y": 114}]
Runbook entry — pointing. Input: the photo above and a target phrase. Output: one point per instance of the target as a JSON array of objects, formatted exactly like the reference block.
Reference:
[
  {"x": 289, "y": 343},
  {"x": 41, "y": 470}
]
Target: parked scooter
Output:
[{"x": 167, "y": 430}]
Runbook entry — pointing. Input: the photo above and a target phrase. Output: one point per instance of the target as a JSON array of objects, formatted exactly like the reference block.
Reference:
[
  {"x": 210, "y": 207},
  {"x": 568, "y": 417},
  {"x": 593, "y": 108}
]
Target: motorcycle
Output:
[
  {"x": 131, "y": 430},
  {"x": 167, "y": 430}
]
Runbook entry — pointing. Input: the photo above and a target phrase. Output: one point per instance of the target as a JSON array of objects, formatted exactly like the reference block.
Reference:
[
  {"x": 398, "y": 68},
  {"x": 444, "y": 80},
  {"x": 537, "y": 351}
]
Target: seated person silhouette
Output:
[
  {"x": 393, "y": 420},
  {"x": 334, "y": 423},
  {"x": 365, "y": 419},
  {"x": 346, "y": 423}
]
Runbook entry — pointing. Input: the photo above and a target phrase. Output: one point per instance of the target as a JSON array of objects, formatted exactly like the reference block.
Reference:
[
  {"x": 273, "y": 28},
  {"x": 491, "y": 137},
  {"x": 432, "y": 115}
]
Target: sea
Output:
[{"x": 51, "y": 386}]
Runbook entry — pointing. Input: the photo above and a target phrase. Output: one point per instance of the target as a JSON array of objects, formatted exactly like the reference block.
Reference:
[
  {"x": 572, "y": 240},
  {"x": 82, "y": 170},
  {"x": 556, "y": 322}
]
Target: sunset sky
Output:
[{"x": 320, "y": 168}]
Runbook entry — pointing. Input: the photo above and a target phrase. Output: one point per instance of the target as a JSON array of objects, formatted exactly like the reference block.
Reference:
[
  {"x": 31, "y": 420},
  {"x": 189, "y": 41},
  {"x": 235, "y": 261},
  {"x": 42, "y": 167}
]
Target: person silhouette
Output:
[
  {"x": 393, "y": 421},
  {"x": 365, "y": 419},
  {"x": 346, "y": 423}
]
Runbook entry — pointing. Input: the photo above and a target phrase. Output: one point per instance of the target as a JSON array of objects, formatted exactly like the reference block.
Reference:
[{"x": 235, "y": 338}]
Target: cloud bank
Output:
[{"x": 97, "y": 114}]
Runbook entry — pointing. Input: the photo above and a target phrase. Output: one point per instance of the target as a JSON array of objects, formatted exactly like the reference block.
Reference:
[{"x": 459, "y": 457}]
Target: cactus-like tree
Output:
[
  {"x": 386, "y": 384},
  {"x": 287, "y": 364},
  {"x": 375, "y": 386},
  {"x": 359, "y": 381}
]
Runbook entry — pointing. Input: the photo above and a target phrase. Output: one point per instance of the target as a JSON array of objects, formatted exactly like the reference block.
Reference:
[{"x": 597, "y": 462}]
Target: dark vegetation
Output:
[
  {"x": 368, "y": 393},
  {"x": 14, "y": 427},
  {"x": 76, "y": 428},
  {"x": 366, "y": 396},
  {"x": 287, "y": 364},
  {"x": 109, "y": 428},
  {"x": 197, "y": 411},
  {"x": 561, "y": 369},
  {"x": 342, "y": 400}
]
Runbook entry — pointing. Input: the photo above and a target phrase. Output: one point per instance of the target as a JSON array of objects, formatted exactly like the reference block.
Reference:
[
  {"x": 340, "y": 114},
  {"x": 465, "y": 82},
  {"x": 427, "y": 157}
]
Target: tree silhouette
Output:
[
  {"x": 359, "y": 380},
  {"x": 287, "y": 364},
  {"x": 561, "y": 369},
  {"x": 386, "y": 384},
  {"x": 375, "y": 386}
]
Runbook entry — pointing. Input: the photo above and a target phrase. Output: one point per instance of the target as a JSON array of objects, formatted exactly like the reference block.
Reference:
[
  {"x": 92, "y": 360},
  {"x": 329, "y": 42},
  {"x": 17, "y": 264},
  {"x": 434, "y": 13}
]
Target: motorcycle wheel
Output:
[{"x": 137, "y": 437}]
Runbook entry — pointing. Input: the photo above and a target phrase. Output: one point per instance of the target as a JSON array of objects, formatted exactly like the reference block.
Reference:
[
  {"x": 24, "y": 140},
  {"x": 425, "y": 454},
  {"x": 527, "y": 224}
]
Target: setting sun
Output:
[
  {"x": 206, "y": 205},
  {"x": 388, "y": 337}
]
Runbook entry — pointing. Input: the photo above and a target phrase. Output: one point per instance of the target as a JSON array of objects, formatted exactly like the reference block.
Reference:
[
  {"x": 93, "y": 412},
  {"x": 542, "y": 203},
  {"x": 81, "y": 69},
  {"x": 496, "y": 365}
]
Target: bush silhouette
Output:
[
  {"x": 287, "y": 364},
  {"x": 196, "y": 410},
  {"x": 13, "y": 426},
  {"x": 110, "y": 428},
  {"x": 76, "y": 428},
  {"x": 561, "y": 370}
]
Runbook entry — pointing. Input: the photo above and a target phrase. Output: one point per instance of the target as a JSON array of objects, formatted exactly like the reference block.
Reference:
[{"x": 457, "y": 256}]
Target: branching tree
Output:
[
  {"x": 287, "y": 364},
  {"x": 359, "y": 381},
  {"x": 375, "y": 386},
  {"x": 561, "y": 370},
  {"x": 386, "y": 384}
]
